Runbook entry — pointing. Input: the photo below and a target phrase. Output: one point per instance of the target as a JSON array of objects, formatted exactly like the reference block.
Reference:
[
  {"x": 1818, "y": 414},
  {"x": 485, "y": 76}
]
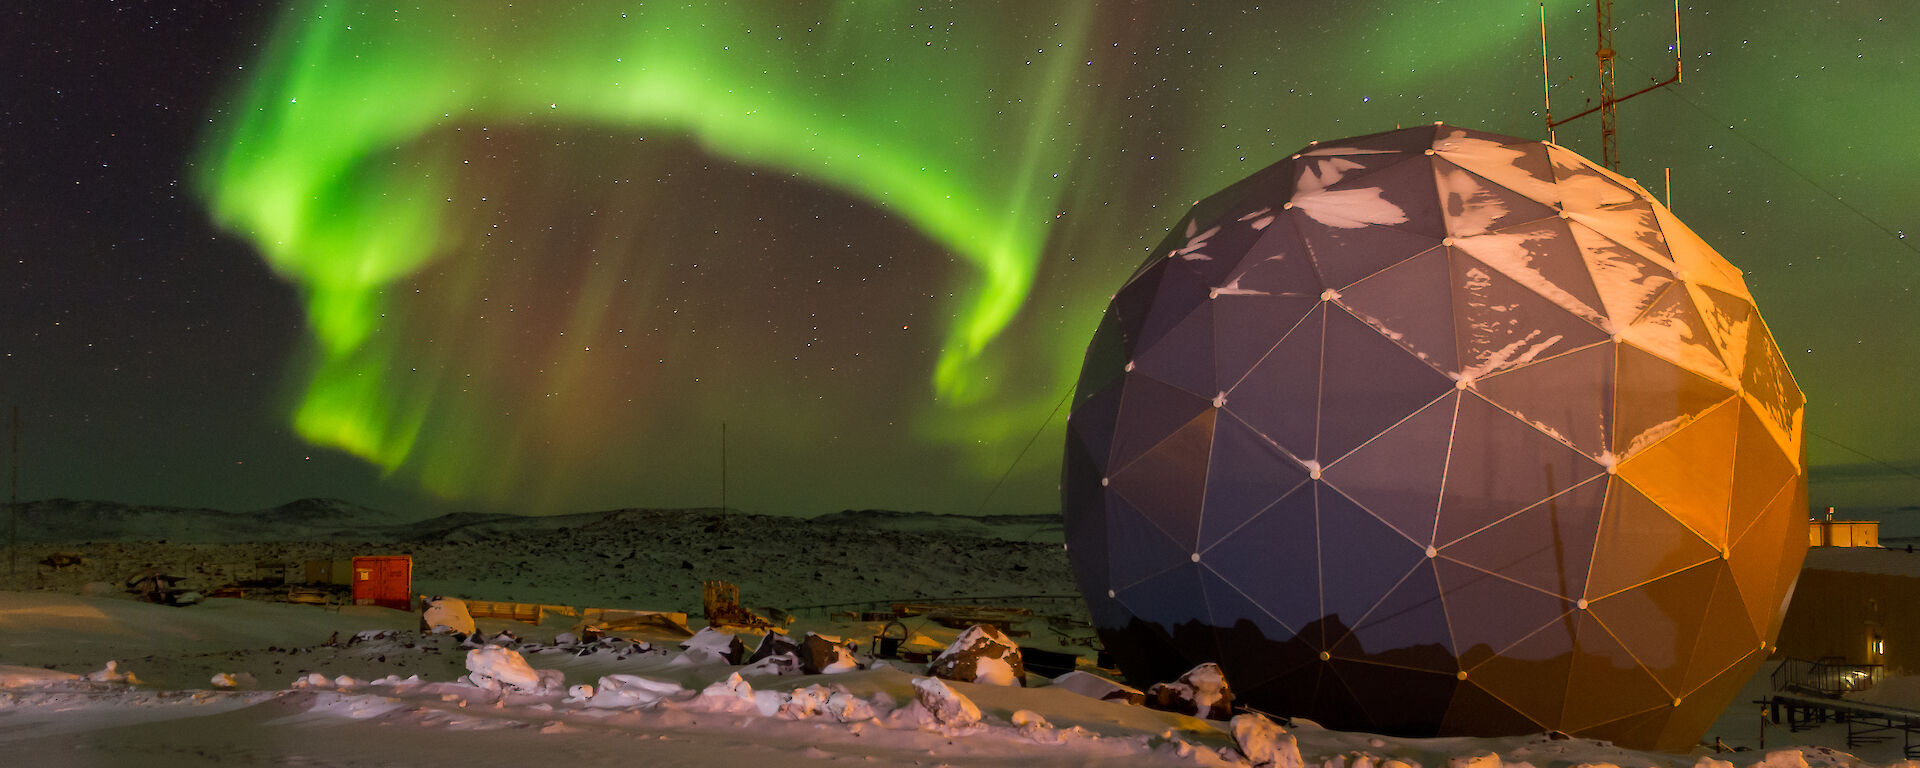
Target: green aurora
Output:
[{"x": 1040, "y": 148}]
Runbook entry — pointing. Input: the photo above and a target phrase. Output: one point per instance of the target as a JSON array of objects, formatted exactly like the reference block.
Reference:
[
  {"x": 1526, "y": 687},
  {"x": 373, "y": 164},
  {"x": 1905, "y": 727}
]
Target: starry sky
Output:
[{"x": 467, "y": 254}]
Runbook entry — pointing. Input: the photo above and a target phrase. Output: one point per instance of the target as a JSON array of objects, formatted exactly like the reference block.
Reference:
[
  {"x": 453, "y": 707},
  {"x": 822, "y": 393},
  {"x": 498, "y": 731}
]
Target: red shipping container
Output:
[{"x": 385, "y": 580}]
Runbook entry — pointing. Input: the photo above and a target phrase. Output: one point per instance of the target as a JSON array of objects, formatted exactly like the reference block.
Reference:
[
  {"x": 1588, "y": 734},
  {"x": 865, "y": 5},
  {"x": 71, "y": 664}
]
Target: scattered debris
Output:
[{"x": 720, "y": 600}]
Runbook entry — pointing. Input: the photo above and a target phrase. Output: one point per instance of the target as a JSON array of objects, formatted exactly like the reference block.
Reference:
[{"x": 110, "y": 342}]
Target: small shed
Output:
[{"x": 384, "y": 580}]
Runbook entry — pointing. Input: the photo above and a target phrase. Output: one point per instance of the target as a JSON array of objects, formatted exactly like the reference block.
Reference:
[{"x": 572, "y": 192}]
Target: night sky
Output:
[{"x": 459, "y": 254}]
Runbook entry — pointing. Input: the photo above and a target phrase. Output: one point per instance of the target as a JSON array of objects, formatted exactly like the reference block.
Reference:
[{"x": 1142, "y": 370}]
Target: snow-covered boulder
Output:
[
  {"x": 1096, "y": 687},
  {"x": 622, "y": 691},
  {"x": 1201, "y": 692},
  {"x": 848, "y": 708},
  {"x": 733, "y": 694},
  {"x": 495, "y": 668},
  {"x": 446, "y": 615},
  {"x": 804, "y": 703},
  {"x": 1264, "y": 743},
  {"x": 823, "y": 655},
  {"x": 714, "y": 643},
  {"x": 945, "y": 705},
  {"x": 981, "y": 654}
]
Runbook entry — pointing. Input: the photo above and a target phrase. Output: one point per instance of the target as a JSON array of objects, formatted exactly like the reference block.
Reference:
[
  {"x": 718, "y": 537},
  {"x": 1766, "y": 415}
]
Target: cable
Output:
[
  {"x": 1023, "y": 451},
  {"x": 1869, "y": 457},
  {"x": 1897, "y": 235}
]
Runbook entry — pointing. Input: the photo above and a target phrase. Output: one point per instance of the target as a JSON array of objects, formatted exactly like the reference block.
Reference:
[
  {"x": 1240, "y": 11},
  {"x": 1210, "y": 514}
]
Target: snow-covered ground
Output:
[{"x": 245, "y": 682}]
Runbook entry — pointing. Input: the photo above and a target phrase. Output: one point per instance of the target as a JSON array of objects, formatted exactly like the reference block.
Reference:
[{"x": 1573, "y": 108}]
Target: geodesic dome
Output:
[{"x": 1437, "y": 431}]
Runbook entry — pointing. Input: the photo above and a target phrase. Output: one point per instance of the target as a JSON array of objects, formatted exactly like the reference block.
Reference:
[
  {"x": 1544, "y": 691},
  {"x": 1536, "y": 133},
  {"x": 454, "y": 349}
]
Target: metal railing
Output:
[{"x": 1830, "y": 676}]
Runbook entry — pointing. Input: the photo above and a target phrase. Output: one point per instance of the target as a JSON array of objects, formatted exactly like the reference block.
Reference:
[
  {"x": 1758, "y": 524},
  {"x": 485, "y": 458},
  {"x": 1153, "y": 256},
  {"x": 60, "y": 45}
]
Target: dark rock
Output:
[
  {"x": 1201, "y": 692},
  {"x": 982, "y": 654}
]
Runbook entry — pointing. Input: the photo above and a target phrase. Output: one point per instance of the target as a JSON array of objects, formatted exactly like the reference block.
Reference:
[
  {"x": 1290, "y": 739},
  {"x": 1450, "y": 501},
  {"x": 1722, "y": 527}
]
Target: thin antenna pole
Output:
[
  {"x": 1546, "y": 82},
  {"x": 1669, "y": 188},
  {"x": 1676, "y": 41},
  {"x": 13, "y": 508},
  {"x": 723, "y": 466}
]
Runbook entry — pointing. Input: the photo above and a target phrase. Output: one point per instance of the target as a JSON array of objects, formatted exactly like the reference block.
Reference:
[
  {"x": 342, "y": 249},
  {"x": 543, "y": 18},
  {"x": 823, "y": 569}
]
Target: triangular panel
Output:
[
  {"x": 1522, "y": 167},
  {"x": 1582, "y": 186},
  {"x": 1512, "y": 466},
  {"x": 1412, "y": 304},
  {"x": 1701, "y": 263},
  {"x": 1106, "y": 359},
  {"x": 1773, "y": 390},
  {"x": 1150, "y": 410},
  {"x": 1502, "y": 324},
  {"x": 1277, "y": 265},
  {"x": 1408, "y": 628},
  {"x": 1275, "y": 560},
  {"x": 1489, "y": 614},
  {"x": 1569, "y": 397},
  {"x": 1625, "y": 280},
  {"x": 1690, "y": 473},
  {"x": 1672, "y": 328},
  {"x": 1255, "y": 647},
  {"x": 1600, "y": 663},
  {"x": 1727, "y": 635},
  {"x": 1361, "y": 559},
  {"x": 1729, "y": 318},
  {"x": 1280, "y": 396},
  {"x": 1548, "y": 546},
  {"x": 1654, "y": 398},
  {"x": 1246, "y": 328},
  {"x": 1413, "y": 140},
  {"x": 1397, "y": 476},
  {"x": 1368, "y": 384},
  {"x": 1531, "y": 676},
  {"x": 1543, "y": 256},
  {"x": 1092, "y": 422},
  {"x": 1136, "y": 548},
  {"x": 1245, "y": 476},
  {"x": 1760, "y": 470},
  {"x": 1660, "y": 622},
  {"x": 1167, "y": 483},
  {"x": 1181, "y": 292},
  {"x": 1183, "y": 356},
  {"x": 1397, "y": 700},
  {"x": 1755, "y": 559},
  {"x": 1640, "y": 542},
  {"x": 1167, "y": 598},
  {"x": 1474, "y": 206}
]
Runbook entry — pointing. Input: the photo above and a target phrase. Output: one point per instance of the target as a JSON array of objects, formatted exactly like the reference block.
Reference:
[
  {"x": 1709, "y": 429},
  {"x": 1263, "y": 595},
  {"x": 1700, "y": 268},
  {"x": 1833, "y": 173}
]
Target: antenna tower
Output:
[{"x": 1604, "y": 52}]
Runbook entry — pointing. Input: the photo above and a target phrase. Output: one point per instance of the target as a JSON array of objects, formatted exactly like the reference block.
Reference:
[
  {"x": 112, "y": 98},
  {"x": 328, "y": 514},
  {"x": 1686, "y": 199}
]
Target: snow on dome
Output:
[{"x": 1437, "y": 431}]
